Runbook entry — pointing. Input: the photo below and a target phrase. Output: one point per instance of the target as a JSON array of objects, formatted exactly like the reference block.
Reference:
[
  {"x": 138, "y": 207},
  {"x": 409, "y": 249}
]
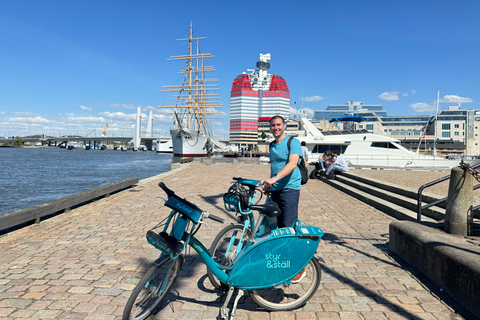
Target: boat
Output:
[
  {"x": 191, "y": 136},
  {"x": 164, "y": 146},
  {"x": 364, "y": 149}
]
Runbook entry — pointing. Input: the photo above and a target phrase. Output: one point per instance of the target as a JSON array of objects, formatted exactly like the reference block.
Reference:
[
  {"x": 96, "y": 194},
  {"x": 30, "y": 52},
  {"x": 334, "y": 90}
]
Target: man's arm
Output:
[{"x": 289, "y": 167}]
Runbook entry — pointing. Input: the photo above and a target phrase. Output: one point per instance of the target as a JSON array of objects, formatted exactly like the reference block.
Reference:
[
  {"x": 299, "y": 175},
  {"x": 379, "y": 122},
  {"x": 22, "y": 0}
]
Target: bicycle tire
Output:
[
  {"x": 141, "y": 303},
  {"x": 218, "y": 250},
  {"x": 292, "y": 296}
]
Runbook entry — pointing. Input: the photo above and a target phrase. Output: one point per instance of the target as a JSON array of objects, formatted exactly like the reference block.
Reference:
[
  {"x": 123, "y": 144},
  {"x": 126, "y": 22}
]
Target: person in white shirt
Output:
[
  {"x": 304, "y": 152},
  {"x": 339, "y": 164}
]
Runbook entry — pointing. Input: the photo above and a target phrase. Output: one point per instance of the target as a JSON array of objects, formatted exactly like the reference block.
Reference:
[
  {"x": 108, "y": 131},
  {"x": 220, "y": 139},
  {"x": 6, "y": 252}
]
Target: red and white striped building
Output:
[{"x": 255, "y": 96}]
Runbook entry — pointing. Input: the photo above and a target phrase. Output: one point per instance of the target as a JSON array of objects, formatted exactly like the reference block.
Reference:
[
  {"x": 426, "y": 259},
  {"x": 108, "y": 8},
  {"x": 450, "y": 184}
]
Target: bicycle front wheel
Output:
[
  {"x": 224, "y": 249},
  {"x": 293, "y": 296},
  {"x": 152, "y": 289}
]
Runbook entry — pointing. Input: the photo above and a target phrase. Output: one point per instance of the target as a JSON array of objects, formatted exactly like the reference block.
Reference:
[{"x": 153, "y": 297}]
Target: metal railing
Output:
[{"x": 434, "y": 203}]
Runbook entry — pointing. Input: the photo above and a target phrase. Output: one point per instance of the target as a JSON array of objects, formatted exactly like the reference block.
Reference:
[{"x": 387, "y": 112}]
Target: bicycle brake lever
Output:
[
  {"x": 204, "y": 224},
  {"x": 162, "y": 198}
]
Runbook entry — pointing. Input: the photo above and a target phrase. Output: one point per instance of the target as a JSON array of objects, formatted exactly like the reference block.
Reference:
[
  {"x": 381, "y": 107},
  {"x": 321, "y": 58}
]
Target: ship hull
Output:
[
  {"x": 187, "y": 144},
  {"x": 165, "y": 147}
]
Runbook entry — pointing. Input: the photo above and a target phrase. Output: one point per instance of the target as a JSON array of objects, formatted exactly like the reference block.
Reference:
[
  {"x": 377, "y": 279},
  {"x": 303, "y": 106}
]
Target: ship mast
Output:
[{"x": 193, "y": 102}]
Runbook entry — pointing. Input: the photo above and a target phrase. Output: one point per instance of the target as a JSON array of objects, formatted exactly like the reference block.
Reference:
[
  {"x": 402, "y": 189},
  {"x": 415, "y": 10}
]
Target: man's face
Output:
[{"x": 277, "y": 127}]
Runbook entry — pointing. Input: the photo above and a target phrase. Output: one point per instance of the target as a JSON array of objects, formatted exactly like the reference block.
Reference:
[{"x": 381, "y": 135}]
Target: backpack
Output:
[
  {"x": 238, "y": 191},
  {"x": 301, "y": 166}
]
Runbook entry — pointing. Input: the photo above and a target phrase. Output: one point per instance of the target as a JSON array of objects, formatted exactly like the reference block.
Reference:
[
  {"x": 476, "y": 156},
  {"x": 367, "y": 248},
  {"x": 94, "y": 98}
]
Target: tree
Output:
[{"x": 18, "y": 142}]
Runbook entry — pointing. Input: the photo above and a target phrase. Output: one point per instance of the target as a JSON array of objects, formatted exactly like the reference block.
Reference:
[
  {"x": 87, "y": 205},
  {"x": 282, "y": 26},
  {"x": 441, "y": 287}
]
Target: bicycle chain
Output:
[{"x": 466, "y": 166}]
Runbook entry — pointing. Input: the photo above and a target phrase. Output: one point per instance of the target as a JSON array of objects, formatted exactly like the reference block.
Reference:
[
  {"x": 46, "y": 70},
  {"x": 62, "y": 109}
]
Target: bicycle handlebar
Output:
[
  {"x": 213, "y": 217},
  {"x": 167, "y": 191}
]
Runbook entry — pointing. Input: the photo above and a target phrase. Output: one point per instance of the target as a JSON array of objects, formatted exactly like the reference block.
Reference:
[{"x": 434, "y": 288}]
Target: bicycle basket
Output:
[{"x": 236, "y": 199}]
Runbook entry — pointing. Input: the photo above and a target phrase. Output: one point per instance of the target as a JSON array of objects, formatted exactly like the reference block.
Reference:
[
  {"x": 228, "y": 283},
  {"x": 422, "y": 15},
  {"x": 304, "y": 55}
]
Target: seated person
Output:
[
  {"x": 323, "y": 162},
  {"x": 326, "y": 159},
  {"x": 339, "y": 164}
]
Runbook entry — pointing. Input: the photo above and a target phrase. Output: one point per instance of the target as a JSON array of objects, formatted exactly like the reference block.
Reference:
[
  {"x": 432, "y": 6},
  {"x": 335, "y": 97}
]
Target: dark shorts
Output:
[{"x": 287, "y": 200}]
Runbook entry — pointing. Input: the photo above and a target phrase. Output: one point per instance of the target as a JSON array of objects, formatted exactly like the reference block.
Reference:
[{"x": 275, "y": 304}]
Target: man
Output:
[
  {"x": 304, "y": 152},
  {"x": 339, "y": 164},
  {"x": 285, "y": 178}
]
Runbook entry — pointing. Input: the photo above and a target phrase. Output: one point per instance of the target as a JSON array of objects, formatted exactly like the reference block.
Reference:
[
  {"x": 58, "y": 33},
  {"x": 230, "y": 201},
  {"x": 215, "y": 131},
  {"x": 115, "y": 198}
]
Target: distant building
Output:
[
  {"x": 350, "y": 107},
  {"x": 457, "y": 131},
  {"x": 255, "y": 96}
]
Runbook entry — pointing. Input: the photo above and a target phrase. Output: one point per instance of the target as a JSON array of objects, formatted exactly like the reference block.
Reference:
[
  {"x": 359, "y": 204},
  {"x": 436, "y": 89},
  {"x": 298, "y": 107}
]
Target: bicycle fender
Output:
[{"x": 162, "y": 257}]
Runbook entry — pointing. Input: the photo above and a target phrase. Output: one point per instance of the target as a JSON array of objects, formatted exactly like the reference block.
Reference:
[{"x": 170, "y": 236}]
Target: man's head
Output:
[
  {"x": 303, "y": 143},
  {"x": 336, "y": 153},
  {"x": 277, "y": 126}
]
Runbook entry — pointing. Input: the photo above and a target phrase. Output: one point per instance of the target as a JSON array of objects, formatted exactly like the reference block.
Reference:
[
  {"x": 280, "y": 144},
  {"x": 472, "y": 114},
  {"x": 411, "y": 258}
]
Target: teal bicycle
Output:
[
  {"x": 264, "y": 267},
  {"x": 230, "y": 241}
]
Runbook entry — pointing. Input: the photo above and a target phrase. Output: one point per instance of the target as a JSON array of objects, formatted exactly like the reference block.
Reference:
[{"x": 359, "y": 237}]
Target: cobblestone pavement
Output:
[{"x": 83, "y": 264}]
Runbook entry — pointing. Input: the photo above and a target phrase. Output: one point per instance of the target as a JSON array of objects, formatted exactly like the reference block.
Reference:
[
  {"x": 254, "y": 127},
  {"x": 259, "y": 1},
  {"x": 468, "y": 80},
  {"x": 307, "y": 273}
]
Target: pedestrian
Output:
[{"x": 304, "y": 152}]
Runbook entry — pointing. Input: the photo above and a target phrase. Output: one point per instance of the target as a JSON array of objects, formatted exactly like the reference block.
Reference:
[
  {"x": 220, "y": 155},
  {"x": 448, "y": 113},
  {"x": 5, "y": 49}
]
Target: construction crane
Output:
[{"x": 104, "y": 132}]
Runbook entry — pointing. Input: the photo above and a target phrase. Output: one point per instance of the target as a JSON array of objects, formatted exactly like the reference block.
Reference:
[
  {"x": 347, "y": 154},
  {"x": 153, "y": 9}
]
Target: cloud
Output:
[
  {"x": 119, "y": 115},
  {"x": 389, "y": 96},
  {"x": 86, "y": 108},
  {"x": 309, "y": 112},
  {"x": 312, "y": 99},
  {"x": 129, "y": 106},
  {"x": 37, "y": 119},
  {"x": 422, "y": 106},
  {"x": 454, "y": 99}
]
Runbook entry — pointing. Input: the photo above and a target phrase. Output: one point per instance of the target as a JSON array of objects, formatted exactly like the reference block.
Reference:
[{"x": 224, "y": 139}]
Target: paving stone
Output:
[{"x": 88, "y": 270}]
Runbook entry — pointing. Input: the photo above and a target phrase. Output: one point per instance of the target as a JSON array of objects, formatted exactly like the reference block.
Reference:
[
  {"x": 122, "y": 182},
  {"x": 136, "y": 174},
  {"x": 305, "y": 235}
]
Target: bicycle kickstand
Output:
[
  {"x": 239, "y": 295},
  {"x": 224, "y": 309}
]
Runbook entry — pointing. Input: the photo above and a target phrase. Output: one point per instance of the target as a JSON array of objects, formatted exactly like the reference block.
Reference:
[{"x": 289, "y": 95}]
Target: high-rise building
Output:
[{"x": 253, "y": 96}]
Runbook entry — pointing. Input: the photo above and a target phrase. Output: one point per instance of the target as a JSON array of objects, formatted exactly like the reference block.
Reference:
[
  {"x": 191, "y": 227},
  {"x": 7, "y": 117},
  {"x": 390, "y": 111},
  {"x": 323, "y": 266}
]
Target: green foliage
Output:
[{"x": 18, "y": 142}]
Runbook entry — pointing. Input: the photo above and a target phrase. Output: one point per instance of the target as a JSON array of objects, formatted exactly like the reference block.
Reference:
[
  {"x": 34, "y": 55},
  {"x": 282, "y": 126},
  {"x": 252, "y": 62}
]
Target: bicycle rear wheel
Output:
[
  {"x": 293, "y": 296},
  {"x": 152, "y": 289},
  {"x": 224, "y": 249}
]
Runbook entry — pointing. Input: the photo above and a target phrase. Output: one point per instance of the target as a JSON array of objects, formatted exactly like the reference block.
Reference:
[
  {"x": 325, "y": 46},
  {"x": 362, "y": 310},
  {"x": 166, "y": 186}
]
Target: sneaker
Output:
[{"x": 299, "y": 276}]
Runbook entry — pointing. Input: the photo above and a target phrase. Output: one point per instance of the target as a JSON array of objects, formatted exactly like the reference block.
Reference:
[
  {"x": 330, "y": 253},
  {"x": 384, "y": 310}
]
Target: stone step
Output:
[
  {"x": 394, "y": 196},
  {"x": 377, "y": 202}
]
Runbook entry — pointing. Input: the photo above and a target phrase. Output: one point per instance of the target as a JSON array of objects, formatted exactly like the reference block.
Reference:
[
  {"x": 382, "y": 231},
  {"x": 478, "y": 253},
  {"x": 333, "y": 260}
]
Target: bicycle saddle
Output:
[{"x": 269, "y": 209}]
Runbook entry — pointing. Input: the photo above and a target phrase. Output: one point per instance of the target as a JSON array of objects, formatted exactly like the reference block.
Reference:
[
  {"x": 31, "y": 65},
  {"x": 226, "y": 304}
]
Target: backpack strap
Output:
[{"x": 290, "y": 138}]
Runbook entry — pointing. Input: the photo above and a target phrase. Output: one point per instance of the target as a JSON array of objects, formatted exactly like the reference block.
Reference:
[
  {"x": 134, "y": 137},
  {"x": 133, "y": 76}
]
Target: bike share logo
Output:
[{"x": 274, "y": 261}]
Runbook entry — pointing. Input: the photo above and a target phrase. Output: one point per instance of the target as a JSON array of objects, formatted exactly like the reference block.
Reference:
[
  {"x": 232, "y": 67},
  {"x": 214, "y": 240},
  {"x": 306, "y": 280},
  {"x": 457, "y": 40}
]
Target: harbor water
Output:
[{"x": 33, "y": 176}]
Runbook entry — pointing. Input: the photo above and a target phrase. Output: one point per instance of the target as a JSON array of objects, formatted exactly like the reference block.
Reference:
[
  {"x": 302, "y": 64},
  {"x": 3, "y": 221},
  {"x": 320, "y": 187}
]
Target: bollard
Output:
[{"x": 458, "y": 217}]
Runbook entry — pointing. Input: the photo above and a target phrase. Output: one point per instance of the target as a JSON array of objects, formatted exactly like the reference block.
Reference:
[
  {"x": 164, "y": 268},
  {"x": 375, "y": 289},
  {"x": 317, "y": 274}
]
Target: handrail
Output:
[{"x": 420, "y": 190}]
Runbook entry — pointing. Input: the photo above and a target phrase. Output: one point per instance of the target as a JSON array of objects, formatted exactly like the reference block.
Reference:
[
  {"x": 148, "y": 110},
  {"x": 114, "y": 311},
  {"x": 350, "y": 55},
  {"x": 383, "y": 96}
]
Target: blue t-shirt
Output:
[{"x": 279, "y": 159}]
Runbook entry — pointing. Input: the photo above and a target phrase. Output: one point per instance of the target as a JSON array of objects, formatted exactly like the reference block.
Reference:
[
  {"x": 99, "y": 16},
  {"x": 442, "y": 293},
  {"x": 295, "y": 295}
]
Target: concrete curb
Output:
[{"x": 449, "y": 262}]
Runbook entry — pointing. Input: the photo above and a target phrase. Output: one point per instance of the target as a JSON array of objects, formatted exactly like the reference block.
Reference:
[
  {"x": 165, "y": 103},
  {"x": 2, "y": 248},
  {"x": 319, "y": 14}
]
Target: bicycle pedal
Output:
[{"x": 224, "y": 312}]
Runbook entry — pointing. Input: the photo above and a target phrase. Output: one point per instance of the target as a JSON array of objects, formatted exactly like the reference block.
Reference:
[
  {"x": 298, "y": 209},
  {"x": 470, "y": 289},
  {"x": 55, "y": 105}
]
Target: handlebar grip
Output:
[
  {"x": 236, "y": 179},
  {"x": 215, "y": 218},
  {"x": 167, "y": 191}
]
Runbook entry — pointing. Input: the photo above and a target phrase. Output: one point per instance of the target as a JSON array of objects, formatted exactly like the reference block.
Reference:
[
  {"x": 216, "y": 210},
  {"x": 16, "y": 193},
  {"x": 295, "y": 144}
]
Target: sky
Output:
[{"x": 70, "y": 67}]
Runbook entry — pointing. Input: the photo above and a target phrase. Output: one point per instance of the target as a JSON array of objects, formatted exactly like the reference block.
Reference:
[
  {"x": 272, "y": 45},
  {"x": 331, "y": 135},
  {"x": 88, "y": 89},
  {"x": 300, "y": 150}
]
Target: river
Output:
[{"x": 33, "y": 176}]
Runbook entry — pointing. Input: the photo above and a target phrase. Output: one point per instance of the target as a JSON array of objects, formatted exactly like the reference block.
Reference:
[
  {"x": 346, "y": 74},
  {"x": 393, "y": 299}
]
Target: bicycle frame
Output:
[{"x": 264, "y": 252}]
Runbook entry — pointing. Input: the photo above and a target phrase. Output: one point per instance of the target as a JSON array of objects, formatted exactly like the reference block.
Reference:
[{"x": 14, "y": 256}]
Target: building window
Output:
[
  {"x": 369, "y": 126},
  {"x": 361, "y": 126},
  {"x": 457, "y": 126},
  {"x": 445, "y": 126},
  {"x": 445, "y": 134},
  {"x": 457, "y": 133}
]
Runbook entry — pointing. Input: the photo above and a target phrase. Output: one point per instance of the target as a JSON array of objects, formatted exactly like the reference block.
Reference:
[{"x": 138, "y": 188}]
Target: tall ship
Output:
[{"x": 195, "y": 103}]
